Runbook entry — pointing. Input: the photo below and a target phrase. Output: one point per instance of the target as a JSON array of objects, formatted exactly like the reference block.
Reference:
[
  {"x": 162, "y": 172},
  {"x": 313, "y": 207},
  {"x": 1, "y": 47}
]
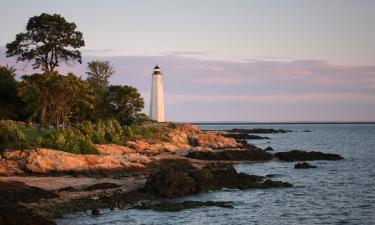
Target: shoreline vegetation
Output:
[{"x": 155, "y": 162}]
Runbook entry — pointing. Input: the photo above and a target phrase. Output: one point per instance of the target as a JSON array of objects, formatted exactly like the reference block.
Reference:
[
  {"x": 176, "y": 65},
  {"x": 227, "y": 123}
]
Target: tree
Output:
[
  {"x": 99, "y": 74},
  {"x": 48, "y": 40},
  {"x": 67, "y": 94},
  {"x": 122, "y": 103},
  {"x": 9, "y": 100},
  {"x": 54, "y": 97}
]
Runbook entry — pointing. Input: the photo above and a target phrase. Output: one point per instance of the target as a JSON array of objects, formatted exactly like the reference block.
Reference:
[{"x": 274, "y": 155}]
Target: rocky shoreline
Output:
[{"x": 44, "y": 184}]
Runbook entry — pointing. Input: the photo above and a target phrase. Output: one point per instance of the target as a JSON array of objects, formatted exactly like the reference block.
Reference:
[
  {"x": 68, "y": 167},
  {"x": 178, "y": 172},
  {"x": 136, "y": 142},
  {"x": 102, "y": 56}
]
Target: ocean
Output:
[{"x": 337, "y": 192}]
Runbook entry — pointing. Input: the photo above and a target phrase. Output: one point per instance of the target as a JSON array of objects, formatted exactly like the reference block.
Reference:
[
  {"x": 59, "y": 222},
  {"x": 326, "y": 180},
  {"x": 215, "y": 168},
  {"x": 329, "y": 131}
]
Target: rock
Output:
[
  {"x": 67, "y": 189},
  {"x": 95, "y": 211},
  {"x": 101, "y": 186},
  {"x": 303, "y": 165},
  {"x": 13, "y": 192},
  {"x": 258, "y": 131},
  {"x": 268, "y": 149},
  {"x": 272, "y": 175},
  {"x": 15, "y": 214},
  {"x": 174, "y": 182},
  {"x": 169, "y": 183},
  {"x": 113, "y": 149},
  {"x": 179, "y": 206},
  {"x": 9, "y": 168},
  {"x": 247, "y": 154},
  {"x": 299, "y": 155},
  {"x": 215, "y": 141},
  {"x": 241, "y": 136},
  {"x": 48, "y": 161},
  {"x": 174, "y": 163}
]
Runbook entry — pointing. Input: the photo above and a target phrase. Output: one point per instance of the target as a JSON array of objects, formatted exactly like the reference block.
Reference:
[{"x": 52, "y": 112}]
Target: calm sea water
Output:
[{"x": 337, "y": 192}]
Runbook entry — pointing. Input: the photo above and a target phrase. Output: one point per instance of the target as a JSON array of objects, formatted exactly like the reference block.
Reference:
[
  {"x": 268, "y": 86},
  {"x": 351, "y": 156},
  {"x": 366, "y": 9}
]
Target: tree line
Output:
[{"x": 53, "y": 99}]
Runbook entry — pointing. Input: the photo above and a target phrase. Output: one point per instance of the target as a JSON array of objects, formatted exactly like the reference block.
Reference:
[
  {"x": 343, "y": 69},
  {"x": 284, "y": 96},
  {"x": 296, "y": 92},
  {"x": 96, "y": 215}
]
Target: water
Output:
[{"x": 337, "y": 192}]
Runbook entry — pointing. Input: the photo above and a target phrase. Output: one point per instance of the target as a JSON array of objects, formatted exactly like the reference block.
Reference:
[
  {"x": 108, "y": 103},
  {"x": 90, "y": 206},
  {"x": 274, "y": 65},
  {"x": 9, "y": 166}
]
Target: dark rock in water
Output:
[
  {"x": 306, "y": 131},
  {"x": 299, "y": 155},
  {"x": 17, "y": 191},
  {"x": 248, "y": 155},
  {"x": 244, "y": 142},
  {"x": 15, "y": 214},
  {"x": 218, "y": 176},
  {"x": 95, "y": 211},
  {"x": 303, "y": 165},
  {"x": 256, "y": 137},
  {"x": 101, "y": 186},
  {"x": 177, "y": 164},
  {"x": 171, "y": 183},
  {"x": 179, "y": 206},
  {"x": 240, "y": 136},
  {"x": 258, "y": 131},
  {"x": 272, "y": 175},
  {"x": 268, "y": 149}
]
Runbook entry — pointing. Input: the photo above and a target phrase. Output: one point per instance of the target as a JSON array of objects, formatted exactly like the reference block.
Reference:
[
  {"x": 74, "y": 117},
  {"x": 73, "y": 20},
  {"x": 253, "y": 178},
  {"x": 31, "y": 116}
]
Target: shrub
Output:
[
  {"x": 102, "y": 132},
  {"x": 193, "y": 141},
  {"x": 11, "y": 136},
  {"x": 148, "y": 132},
  {"x": 69, "y": 140}
]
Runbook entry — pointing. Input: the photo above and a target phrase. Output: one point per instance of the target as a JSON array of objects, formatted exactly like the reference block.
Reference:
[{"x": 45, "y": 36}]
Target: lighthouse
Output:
[{"x": 157, "y": 96}]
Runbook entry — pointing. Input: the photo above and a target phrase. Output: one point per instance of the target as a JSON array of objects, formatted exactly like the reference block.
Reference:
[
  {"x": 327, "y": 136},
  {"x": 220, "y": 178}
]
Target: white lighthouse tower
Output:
[{"x": 157, "y": 96}]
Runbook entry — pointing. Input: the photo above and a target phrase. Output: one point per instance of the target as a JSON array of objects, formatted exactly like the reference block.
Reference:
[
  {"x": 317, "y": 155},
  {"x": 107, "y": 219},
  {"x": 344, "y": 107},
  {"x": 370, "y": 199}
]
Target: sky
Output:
[{"x": 230, "y": 60}]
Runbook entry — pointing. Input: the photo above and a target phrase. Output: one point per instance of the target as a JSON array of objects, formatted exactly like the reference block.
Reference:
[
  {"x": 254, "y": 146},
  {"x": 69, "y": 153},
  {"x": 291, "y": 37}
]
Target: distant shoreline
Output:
[{"x": 274, "y": 123}]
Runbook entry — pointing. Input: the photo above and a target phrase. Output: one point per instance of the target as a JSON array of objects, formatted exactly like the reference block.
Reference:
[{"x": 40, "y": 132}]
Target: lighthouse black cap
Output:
[{"x": 157, "y": 70}]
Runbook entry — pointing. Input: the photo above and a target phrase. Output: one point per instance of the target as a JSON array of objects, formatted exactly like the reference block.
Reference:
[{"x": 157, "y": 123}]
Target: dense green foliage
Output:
[
  {"x": 99, "y": 74},
  {"x": 55, "y": 98},
  {"x": 48, "y": 40},
  {"x": 81, "y": 138},
  {"x": 122, "y": 103},
  {"x": 102, "y": 132},
  {"x": 69, "y": 140},
  {"x": 150, "y": 132},
  {"x": 11, "y": 136},
  {"x": 9, "y": 101}
]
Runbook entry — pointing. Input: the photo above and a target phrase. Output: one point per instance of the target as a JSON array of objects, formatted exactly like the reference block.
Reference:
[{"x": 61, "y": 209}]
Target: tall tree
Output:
[
  {"x": 48, "y": 40},
  {"x": 122, "y": 103},
  {"x": 99, "y": 74}
]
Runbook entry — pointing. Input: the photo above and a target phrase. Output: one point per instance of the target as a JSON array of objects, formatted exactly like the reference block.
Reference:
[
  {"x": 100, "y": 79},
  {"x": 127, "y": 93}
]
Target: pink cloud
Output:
[{"x": 274, "y": 99}]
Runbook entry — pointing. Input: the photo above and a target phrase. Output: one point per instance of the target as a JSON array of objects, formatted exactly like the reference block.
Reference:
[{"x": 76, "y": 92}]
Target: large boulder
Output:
[
  {"x": 174, "y": 182},
  {"x": 16, "y": 191},
  {"x": 299, "y": 155},
  {"x": 15, "y": 214},
  {"x": 239, "y": 155},
  {"x": 48, "y": 161},
  {"x": 169, "y": 183}
]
